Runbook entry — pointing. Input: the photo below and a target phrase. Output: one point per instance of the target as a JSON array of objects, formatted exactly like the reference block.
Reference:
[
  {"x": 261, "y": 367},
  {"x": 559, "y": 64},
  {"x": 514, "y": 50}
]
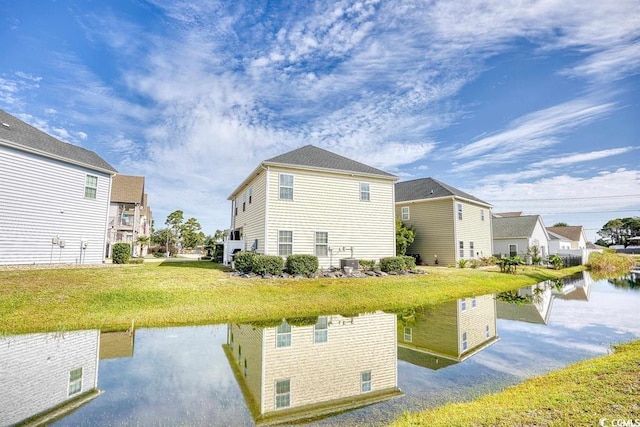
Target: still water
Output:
[{"x": 339, "y": 369}]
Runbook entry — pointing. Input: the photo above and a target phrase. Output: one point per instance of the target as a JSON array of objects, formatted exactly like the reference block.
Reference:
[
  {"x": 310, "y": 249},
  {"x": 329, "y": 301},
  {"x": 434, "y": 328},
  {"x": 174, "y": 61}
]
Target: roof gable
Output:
[
  {"x": 128, "y": 189},
  {"x": 429, "y": 188},
  {"x": 571, "y": 232},
  {"x": 18, "y": 134},
  {"x": 512, "y": 227},
  {"x": 314, "y": 157}
]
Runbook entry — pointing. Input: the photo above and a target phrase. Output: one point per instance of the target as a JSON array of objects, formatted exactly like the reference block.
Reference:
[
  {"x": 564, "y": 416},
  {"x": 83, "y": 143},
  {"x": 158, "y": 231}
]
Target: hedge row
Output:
[
  {"x": 397, "y": 264},
  {"x": 251, "y": 262}
]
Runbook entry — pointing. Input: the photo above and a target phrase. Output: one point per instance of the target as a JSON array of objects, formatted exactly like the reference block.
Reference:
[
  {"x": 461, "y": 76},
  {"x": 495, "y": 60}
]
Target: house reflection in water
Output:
[
  {"x": 533, "y": 304},
  {"x": 440, "y": 336},
  {"x": 322, "y": 366},
  {"x": 43, "y": 372}
]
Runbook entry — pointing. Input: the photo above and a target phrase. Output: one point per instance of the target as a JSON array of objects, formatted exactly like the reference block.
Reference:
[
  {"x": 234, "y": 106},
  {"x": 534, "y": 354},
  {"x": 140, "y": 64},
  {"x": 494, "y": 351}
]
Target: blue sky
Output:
[{"x": 532, "y": 106}]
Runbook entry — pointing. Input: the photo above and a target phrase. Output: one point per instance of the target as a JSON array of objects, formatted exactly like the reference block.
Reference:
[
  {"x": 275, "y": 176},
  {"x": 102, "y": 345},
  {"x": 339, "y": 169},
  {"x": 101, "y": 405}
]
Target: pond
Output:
[{"x": 338, "y": 369}]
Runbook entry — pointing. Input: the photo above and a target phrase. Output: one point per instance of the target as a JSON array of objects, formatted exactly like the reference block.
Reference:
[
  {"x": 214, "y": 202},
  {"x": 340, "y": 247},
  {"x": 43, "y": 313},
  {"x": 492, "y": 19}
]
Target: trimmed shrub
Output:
[
  {"x": 243, "y": 261},
  {"x": 393, "y": 264},
  {"x": 409, "y": 262},
  {"x": 301, "y": 264},
  {"x": 136, "y": 261},
  {"x": 121, "y": 253},
  {"x": 267, "y": 264},
  {"x": 367, "y": 264}
]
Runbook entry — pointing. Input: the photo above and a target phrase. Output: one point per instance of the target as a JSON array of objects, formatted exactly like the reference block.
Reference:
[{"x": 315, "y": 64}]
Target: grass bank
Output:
[
  {"x": 200, "y": 292},
  {"x": 578, "y": 395}
]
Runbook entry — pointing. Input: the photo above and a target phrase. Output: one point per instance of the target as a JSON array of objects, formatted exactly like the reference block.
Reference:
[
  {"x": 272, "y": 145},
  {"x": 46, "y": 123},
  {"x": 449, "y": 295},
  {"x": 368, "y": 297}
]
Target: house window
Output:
[
  {"x": 460, "y": 211},
  {"x": 461, "y": 246},
  {"x": 365, "y": 193},
  {"x": 75, "y": 381},
  {"x": 322, "y": 241},
  {"x": 320, "y": 330},
  {"x": 474, "y": 303},
  {"x": 244, "y": 201},
  {"x": 471, "y": 251},
  {"x": 250, "y": 194},
  {"x": 487, "y": 331},
  {"x": 365, "y": 381},
  {"x": 463, "y": 304},
  {"x": 464, "y": 341},
  {"x": 481, "y": 214},
  {"x": 283, "y": 393},
  {"x": 235, "y": 207},
  {"x": 408, "y": 334},
  {"x": 513, "y": 250},
  {"x": 286, "y": 187},
  {"x": 283, "y": 335},
  {"x": 285, "y": 243},
  {"x": 90, "y": 187},
  {"x": 405, "y": 213}
]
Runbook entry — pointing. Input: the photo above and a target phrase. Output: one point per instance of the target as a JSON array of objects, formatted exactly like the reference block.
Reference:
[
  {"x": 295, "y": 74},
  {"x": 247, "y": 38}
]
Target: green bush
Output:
[
  {"x": 136, "y": 261},
  {"x": 301, "y": 264},
  {"x": 463, "y": 263},
  {"x": 267, "y": 264},
  {"x": 393, "y": 264},
  {"x": 409, "y": 262},
  {"x": 243, "y": 261},
  {"x": 367, "y": 264},
  {"x": 121, "y": 253}
]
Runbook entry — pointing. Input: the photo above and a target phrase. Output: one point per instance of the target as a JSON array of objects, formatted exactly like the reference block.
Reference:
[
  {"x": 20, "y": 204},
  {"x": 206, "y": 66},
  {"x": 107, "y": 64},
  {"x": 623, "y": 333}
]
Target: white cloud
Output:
[{"x": 583, "y": 157}]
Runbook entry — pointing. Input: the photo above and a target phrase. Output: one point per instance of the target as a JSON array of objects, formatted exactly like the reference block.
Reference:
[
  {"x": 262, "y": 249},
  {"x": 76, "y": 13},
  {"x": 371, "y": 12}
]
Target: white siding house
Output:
[
  {"x": 312, "y": 201},
  {"x": 514, "y": 235},
  {"x": 54, "y": 198}
]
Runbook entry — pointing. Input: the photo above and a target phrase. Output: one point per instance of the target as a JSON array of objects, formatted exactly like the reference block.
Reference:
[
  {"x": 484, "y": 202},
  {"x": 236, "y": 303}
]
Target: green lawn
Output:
[{"x": 200, "y": 292}]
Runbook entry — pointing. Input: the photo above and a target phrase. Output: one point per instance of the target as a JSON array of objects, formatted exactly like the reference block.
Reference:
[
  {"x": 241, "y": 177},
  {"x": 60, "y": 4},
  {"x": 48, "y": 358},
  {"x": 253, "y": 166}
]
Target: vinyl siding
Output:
[
  {"x": 434, "y": 224},
  {"x": 472, "y": 229},
  {"x": 474, "y": 321},
  {"x": 35, "y": 371},
  {"x": 252, "y": 219},
  {"x": 41, "y": 198},
  {"x": 250, "y": 341},
  {"x": 501, "y": 246},
  {"x": 330, "y": 202}
]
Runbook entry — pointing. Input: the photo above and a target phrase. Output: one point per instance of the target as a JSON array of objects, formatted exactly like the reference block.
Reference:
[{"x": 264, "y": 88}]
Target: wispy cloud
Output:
[
  {"x": 531, "y": 132},
  {"x": 583, "y": 157}
]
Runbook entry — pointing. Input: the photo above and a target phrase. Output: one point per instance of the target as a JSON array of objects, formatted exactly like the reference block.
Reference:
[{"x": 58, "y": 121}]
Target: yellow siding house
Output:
[{"x": 450, "y": 224}]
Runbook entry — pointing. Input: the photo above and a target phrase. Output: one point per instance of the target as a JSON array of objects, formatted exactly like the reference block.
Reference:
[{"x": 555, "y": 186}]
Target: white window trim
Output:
[
  {"x": 463, "y": 304},
  {"x": 465, "y": 342},
  {"x": 324, "y": 332},
  {"x": 459, "y": 209},
  {"x": 365, "y": 386},
  {"x": 285, "y": 243},
  {"x": 367, "y": 192},
  {"x": 509, "y": 248},
  {"x": 408, "y": 213},
  {"x": 280, "y": 186},
  {"x": 279, "y": 334},
  {"x": 75, "y": 385},
  {"x": 316, "y": 244},
  {"x": 276, "y": 394},
  {"x": 87, "y": 186},
  {"x": 408, "y": 334}
]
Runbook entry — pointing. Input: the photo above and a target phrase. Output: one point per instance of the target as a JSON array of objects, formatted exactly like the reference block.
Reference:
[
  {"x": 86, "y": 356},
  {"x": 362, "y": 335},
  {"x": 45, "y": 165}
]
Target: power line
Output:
[{"x": 566, "y": 198}]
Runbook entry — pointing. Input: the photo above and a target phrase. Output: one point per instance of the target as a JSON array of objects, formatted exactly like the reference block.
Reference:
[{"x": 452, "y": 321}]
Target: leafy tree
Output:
[
  {"x": 602, "y": 242},
  {"x": 164, "y": 237},
  {"x": 404, "y": 237},
  {"x": 191, "y": 233},
  {"x": 618, "y": 231},
  {"x": 560, "y": 224}
]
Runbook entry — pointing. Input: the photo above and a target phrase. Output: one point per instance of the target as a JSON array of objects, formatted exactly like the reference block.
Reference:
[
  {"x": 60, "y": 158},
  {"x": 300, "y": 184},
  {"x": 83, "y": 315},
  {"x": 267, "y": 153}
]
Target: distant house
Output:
[
  {"x": 312, "y": 201},
  {"x": 54, "y": 198},
  {"x": 290, "y": 373},
  {"x": 558, "y": 243},
  {"x": 573, "y": 233},
  {"x": 450, "y": 224},
  {"x": 514, "y": 235},
  {"x": 129, "y": 214}
]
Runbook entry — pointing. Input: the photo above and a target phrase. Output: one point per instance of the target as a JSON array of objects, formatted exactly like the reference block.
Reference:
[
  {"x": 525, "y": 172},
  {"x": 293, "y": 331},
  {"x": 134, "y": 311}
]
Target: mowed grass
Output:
[
  {"x": 200, "y": 292},
  {"x": 578, "y": 395}
]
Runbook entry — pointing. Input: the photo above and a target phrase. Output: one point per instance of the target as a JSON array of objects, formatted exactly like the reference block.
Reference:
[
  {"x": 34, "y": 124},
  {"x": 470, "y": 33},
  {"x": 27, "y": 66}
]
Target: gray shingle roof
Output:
[
  {"x": 514, "y": 227},
  {"x": 571, "y": 232},
  {"x": 20, "y": 134},
  {"x": 429, "y": 188},
  {"x": 315, "y": 157}
]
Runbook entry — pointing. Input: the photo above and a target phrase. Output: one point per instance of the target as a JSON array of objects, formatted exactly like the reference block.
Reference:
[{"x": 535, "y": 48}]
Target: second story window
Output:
[
  {"x": 405, "y": 213},
  {"x": 365, "y": 193},
  {"x": 481, "y": 214},
  {"x": 91, "y": 187},
  {"x": 244, "y": 201},
  {"x": 250, "y": 194},
  {"x": 286, "y": 187},
  {"x": 283, "y": 335},
  {"x": 460, "y": 211}
]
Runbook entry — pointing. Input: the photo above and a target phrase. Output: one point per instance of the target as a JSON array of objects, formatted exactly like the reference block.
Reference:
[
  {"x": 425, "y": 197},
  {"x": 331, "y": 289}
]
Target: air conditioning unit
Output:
[{"x": 349, "y": 262}]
